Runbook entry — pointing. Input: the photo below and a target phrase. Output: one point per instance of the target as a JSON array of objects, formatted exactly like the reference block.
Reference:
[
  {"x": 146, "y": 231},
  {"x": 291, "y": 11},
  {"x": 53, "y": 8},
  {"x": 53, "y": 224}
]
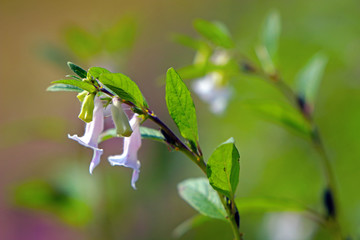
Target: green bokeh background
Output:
[{"x": 274, "y": 161}]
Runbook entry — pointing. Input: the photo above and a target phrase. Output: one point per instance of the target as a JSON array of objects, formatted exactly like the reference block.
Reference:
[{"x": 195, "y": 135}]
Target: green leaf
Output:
[
  {"x": 201, "y": 196},
  {"x": 265, "y": 60},
  {"x": 63, "y": 87},
  {"x": 121, "y": 35},
  {"x": 223, "y": 168},
  {"x": 78, "y": 70},
  {"x": 95, "y": 72},
  {"x": 80, "y": 84},
  {"x": 216, "y": 32},
  {"x": 267, "y": 204},
  {"x": 281, "y": 115},
  {"x": 189, "y": 224},
  {"x": 84, "y": 44},
  {"x": 308, "y": 79},
  {"x": 146, "y": 133},
  {"x": 270, "y": 33},
  {"x": 150, "y": 133},
  {"x": 189, "y": 41},
  {"x": 192, "y": 71},
  {"x": 73, "y": 76},
  {"x": 124, "y": 87},
  {"x": 181, "y": 106},
  {"x": 41, "y": 195}
]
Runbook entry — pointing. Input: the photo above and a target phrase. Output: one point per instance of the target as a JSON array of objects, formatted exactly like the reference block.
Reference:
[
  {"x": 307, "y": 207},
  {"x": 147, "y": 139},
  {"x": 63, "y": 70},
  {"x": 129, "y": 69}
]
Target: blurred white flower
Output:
[
  {"x": 288, "y": 226},
  {"x": 212, "y": 88}
]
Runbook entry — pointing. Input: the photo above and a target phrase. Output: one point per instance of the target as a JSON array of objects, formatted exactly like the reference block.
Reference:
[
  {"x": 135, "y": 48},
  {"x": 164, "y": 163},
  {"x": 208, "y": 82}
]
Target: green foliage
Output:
[
  {"x": 266, "y": 204},
  {"x": 189, "y": 41},
  {"x": 189, "y": 224},
  {"x": 215, "y": 32},
  {"x": 124, "y": 87},
  {"x": 78, "y": 70},
  {"x": 77, "y": 83},
  {"x": 309, "y": 77},
  {"x": 201, "y": 196},
  {"x": 282, "y": 115},
  {"x": 146, "y": 133},
  {"x": 120, "y": 36},
  {"x": 270, "y": 33},
  {"x": 181, "y": 106},
  {"x": 41, "y": 195},
  {"x": 57, "y": 87},
  {"x": 95, "y": 72},
  {"x": 81, "y": 42},
  {"x": 223, "y": 168}
]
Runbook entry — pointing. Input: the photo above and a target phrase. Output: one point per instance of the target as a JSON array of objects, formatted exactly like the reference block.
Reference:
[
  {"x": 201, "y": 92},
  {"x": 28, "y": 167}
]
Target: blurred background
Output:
[{"x": 45, "y": 188}]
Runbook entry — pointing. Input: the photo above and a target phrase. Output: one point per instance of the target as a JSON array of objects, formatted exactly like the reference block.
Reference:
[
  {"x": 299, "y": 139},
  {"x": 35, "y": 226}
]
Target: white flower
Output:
[
  {"x": 211, "y": 88},
  {"x": 92, "y": 131},
  {"x": 131, "y": 146}
]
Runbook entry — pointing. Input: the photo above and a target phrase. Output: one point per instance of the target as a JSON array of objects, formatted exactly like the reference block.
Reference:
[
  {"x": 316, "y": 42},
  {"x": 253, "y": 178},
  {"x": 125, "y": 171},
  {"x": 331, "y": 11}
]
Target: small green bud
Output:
[
  {"x": 120, "y": 119},
  {"x": 87, "y": 108},
  {"x": 82, "y": 95}
]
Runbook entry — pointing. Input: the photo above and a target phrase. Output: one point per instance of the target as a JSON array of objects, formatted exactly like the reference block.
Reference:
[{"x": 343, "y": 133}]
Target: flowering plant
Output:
[{"x": 214, "y": 66}]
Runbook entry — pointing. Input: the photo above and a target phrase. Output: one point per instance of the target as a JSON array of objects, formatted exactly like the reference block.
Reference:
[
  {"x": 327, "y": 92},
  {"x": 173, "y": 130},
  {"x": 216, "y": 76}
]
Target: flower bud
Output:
[
  {"x": 82, "y": 95},
  {"x": 87, "y": 108},
  {"x": 120, "y": 119}
]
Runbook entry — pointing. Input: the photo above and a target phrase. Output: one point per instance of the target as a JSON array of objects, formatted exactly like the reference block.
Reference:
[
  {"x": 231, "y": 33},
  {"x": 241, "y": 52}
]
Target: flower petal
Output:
[
  {"x": 95, "y": 160},
  {"x": 92, "y": 131},
  {"x": 131, "y": 146}
]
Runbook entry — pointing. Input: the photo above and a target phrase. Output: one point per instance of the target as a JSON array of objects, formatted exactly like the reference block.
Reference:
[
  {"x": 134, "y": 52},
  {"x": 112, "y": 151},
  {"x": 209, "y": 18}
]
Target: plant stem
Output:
[
  {"x": 197, "y": 158},
  {"x": 231, "y": 217},
  {"x": 316, "y": 142}
]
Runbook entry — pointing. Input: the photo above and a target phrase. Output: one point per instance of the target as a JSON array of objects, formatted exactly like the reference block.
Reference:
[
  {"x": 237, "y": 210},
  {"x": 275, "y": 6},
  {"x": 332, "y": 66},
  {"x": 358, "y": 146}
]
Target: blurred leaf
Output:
[
  {"x": 270, "y": 33},
  {"x": 265, "y": 60},
  {"x": 192, "y": 71},
  {"x": 95, "y": 72},
  {"x": 81, "y": 42},
  {"x": 52, "y": 53},
  {"x": 189, "y": 224},
  {"x": 263, "y": 204},
  {"x": 121, "y": 35},
  {"x": 80, "y": 84},
  {"x": 39, "y": 194},
  {"x": 124, "y": 87},
  {"x": 201, "y": 196},
  {"x": 188, "y": 41},
  {"x": 282, "y": 115},
  {"x": 146, "y": 133},
  {"x": 181, "y": 106},
  {"x": 309, "y": 77},
  {"x": 216, "y": 32},
  {"x": 63, "y": 87},
  {"x": 78, "y": 70},
  {"x": 223, "y": 168}
]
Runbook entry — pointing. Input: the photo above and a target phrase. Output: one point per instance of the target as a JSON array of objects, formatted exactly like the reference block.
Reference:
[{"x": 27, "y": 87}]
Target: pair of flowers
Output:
[{"x": 92, "y": 113}]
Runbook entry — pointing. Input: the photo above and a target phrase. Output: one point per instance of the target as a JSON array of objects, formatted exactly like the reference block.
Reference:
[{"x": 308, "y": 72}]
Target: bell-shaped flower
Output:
[
  {"x": 213, "y": 88},
  {"x": 92, "y": 131},
  {"x": 120, "y": 119},
  {"x": 87, "y": 107},
  {"x": 131, "y": 146},
  {"x": 209, "y": 90}
]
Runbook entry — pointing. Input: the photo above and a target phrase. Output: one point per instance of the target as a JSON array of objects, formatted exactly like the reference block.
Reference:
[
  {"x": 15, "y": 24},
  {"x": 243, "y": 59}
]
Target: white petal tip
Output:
[{"x": 91, "y": 168}]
